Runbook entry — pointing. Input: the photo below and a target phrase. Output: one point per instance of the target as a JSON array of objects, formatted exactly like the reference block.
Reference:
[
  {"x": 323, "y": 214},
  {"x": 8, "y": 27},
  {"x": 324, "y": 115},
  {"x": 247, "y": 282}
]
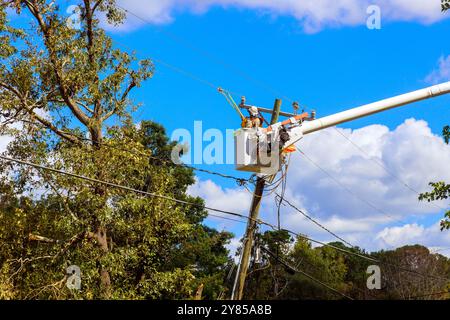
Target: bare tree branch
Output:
[
  {"x": 34, "y": 115},
  {"x": 81, "y": 116}
]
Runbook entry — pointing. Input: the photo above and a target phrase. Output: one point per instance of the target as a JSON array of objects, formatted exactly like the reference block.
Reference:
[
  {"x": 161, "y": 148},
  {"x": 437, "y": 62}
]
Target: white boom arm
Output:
[
  {"x": 307, "y": 127},
  {"x": 375, "y": 107},
  {"x": 249, "y": 142}
]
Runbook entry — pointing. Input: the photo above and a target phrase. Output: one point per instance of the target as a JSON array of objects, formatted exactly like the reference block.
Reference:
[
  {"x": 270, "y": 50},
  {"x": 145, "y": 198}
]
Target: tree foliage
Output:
[
  {"x": 410, "y": 272},
  {"x": 441, "y": 190},
  {"x": 156, "y": 249},
  {"x": 399, "y": 283},
  {"x": 57, "y": 86},
  {"x": 445, "y": 4}
]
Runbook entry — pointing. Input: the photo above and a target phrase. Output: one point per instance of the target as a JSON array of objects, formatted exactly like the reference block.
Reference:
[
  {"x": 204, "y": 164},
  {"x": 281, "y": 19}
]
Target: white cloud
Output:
[
  {"x": 234, "y": 244},
  {"x": 4, "y": 138},
  {"x": 441, "y": 73},
  {"x": 411, "y": 234},
  {"x": 232, "y": 200},
  {"x": 313, "y": 15},
  {"x": 4, "y": 141},
  {"x": 411, "y": 152}
]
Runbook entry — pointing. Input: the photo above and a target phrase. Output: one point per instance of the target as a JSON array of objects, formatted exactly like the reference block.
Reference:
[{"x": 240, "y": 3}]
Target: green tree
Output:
[
  {"x": 445, "y": 5},
  {"x": 272, "y": 279},
  {"x": 267, "y": 278},
  {"x": 56, "y": 74},
  {"x": 428, "y": 275},
  {"x": 356, "y": 275},
  {"x": 324, "y": 264},
  {"x": 441, "y": 190},
  {"x": 57, "y": 85},
  {"x": 205, "y": 249}
]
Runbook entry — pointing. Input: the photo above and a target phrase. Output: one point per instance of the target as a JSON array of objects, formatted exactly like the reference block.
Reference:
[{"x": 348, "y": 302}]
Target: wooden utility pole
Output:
[{"x": 241, "y": 275}]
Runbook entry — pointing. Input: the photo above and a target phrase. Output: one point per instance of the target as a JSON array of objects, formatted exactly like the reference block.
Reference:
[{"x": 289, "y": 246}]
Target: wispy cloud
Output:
[{"x": 441, "y": 73}]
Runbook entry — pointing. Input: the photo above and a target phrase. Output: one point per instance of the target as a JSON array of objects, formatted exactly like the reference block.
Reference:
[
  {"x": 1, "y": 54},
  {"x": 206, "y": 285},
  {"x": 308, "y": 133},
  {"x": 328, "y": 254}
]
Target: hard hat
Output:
[{"x": 254, "y": 111}]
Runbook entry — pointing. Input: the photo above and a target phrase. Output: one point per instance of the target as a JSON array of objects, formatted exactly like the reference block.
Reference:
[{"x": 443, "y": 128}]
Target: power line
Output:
[
  {"x": 174, "y": 68},
  {"x": 226, "y": 218},
  {"x": 381, "y": 165},
  {"x": 347, "y": 252},
  {"x": 314, "y": 221},
  {"x": 260, "y": 222},
  {"x": 239, "y": 181},
  {"x": 114, "y": 185},
  {"x": 117, "y": 186},
  {"x": 347, "y": 189},
  {"x": 287, "y": 265},
  {"x": 280, "y": 198},
  {"x": 343, "y": 240},
  {"x": 210, "y": 57}
]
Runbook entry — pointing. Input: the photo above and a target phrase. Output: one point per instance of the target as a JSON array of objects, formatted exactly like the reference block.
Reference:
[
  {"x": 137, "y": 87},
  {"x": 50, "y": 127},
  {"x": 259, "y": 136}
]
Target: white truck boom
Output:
[{"x": 258, "y": 150}]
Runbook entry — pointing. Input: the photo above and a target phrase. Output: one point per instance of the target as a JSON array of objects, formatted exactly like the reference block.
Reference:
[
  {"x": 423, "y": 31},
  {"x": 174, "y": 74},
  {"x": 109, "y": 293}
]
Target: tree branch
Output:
[
  {"x": 35, "y": 116},
  {"x": 33, "y": 237},
  {"x": 81, "y": 116},
  {"x": 121, "y": 101},
  {"x": 90, "y": 49},
  {"x": 94, "y": 8},
  {"x": 76, "y": 101}
]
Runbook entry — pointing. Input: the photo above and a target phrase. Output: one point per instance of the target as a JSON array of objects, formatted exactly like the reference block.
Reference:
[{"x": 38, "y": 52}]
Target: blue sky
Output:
[
  {"x": 328, "y": 71},
  {"x": 266, "y": 50},
  {"x": 265, "y": 57}
]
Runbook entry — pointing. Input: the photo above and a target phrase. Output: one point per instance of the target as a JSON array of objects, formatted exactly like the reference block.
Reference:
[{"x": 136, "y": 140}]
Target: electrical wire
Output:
[
  {"x": 226, "y": 218},
  {"x": 239, "y": 181},
  {"x": 283, "y": 192},
  {"x": 209, "y": 56},
  {"x": 347, "y": 252},
  {"x": 114, "y": 185},
  {"x": 381, "y": 165},
  {"x": 117, "y": 186},
  {"x": 257, "y": 221},
  {"x": 174, "y": 68},
  {"x": 368, "y": 203},
  {"x": 315, "y": 221},
  {"x": 287, "y": 265}
]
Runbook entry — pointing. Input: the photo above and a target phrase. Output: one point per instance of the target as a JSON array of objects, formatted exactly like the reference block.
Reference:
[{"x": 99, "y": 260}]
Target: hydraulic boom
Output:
[{"x": 253, "y": 145}]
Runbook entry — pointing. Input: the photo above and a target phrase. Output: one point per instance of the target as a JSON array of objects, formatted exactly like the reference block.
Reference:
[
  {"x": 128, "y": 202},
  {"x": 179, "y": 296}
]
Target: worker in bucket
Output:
[{"x": 255, "y": 120}]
